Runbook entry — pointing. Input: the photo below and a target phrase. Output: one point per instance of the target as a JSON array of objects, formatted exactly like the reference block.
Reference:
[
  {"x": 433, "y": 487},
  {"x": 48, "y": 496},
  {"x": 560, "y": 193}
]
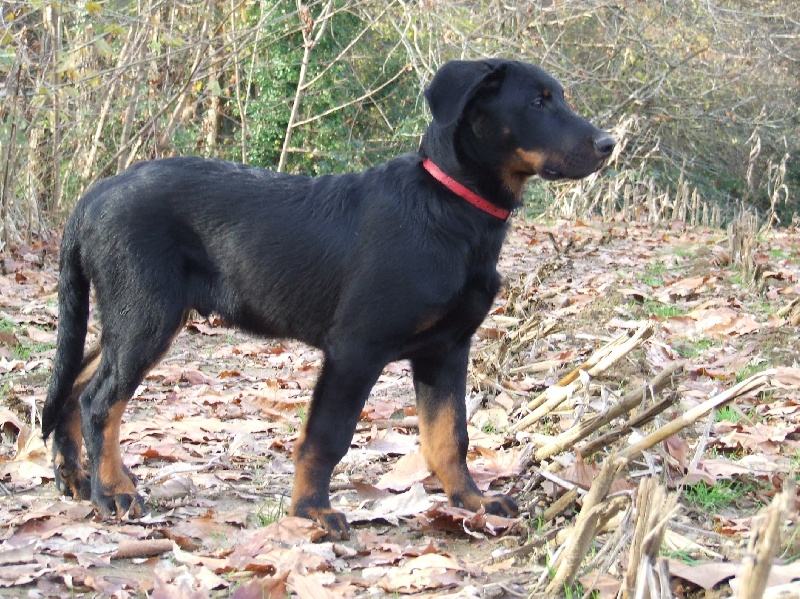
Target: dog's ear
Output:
[{"x": 456, "y": 83}]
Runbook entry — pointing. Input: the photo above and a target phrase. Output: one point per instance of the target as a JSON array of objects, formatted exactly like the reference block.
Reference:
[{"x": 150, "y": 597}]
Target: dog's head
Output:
[{"x": 511, "y": 118}]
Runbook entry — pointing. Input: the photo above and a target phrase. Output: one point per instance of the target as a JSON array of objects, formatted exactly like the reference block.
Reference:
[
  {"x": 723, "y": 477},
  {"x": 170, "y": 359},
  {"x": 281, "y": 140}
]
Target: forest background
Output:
[{"x": 703, "y": 95}]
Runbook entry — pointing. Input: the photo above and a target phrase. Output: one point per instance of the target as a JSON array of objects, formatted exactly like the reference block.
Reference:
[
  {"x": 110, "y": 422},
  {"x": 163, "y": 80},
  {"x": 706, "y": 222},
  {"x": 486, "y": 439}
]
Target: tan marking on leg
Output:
[
  {"x": 440, "y": 448},
  {"x": 303, "y": 486},
  {"x": 111, "y": 470},
  {"x": 311, "y": 489},
  {"x": 90, "y": 363}
]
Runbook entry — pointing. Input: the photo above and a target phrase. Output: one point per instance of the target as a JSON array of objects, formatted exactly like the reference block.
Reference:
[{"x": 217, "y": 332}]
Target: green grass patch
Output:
[
  {"x": 686, "y": 252},
  {"x": 660, "y": 310},
  {"x": 653, "y": 275},
  {"x": 727, "y": 414},
  {"x": 697, "y": 348},
  {"x": 748, "y": 371},
  {"x": 681, "y": 556},
  {"x": 576, "y": 590},
  {"x": 24, "y": 352},
  {"x": 492, "y": 425},
  {"x": 652, "y": 280},
  {"x": 723, "y": 494},
  {"x": 766, "y": 307},
  {"x": 777, "y": 254},
  {"x": 25, "y": 348},
  {"x": 795, "y": 462},
  {"x": 738, "y": 279},
  {"x": 269, "y": 512},
  {"x": 711, "y": 498},
  {"x": 6, "y": 326}
]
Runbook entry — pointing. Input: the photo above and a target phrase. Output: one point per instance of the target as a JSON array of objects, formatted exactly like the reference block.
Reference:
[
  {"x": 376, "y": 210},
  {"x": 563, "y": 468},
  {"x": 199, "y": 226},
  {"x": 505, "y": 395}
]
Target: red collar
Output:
[{"x": 463, "y": 192}]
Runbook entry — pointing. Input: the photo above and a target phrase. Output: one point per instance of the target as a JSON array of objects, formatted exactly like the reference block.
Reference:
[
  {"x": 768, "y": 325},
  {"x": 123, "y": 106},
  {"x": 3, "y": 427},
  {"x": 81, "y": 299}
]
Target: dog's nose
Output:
[{"x": 604, "y": 144}]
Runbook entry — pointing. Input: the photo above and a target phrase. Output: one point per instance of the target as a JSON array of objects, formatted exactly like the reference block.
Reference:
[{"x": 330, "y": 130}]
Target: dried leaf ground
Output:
[{"x": 211, "y": 431}]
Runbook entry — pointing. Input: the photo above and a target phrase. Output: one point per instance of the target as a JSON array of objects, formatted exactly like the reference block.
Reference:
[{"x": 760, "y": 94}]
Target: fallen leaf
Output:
[
  {"x": 454, "y": 519},
  {"x": 40, "y": 336},
  {"x": 262, "y": 588},
  {"x": 393, "y": 507},
  {"x": 309, "y": 587},
  {"x": 409, "y": 469}
]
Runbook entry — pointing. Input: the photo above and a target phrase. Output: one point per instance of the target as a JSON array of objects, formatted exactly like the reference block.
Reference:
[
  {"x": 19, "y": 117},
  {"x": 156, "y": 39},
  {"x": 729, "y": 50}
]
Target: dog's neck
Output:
[
  {"x": 464, "y": 193},
  {"x": 461, "y": 161}
]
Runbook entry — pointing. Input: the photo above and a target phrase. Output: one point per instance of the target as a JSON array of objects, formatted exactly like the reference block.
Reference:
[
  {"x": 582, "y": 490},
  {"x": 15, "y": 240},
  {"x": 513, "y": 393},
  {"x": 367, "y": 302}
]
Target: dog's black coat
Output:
[{"x": 370, "y": 267}]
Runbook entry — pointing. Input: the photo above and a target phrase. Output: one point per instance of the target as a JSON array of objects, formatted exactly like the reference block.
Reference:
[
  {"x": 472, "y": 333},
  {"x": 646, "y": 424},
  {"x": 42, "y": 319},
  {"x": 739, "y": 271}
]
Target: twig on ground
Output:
[
  {"x": 560, "y": 504},
  {"x": 543, "y": 366},
  {"x": 607, "y": 439},
  {"x": 626, "y": 404},
  {"x": 597, "y": 363},
  {"x": 746, "y": 387}
]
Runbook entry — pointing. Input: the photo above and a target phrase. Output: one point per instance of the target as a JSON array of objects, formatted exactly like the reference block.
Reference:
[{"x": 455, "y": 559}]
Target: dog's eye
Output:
[{"x": 540, "y": 100}]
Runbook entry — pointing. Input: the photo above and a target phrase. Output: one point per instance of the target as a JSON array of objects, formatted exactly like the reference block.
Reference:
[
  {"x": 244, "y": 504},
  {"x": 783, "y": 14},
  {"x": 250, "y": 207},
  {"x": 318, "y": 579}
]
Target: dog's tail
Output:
[{"x": 73, "y": 318}]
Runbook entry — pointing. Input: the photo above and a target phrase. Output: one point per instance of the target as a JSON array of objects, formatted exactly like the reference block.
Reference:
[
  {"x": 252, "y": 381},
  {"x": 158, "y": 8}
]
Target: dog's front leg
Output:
[
  {"x": 339, "y": 396},
  {"x": 440, "y": 383}
]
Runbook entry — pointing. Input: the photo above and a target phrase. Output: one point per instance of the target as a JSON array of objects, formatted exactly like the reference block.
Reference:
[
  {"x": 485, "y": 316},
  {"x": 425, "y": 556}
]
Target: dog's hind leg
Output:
[
  {"x": 347, "y": 376},
  {"x": 129, "y": 351},
  {"x": 440, "y": 382},
  {"x": 70, "y": 476}
]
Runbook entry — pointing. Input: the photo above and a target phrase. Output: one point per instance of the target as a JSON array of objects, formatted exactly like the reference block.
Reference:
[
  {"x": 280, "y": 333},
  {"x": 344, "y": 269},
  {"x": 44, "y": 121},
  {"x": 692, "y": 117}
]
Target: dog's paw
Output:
[
  {"x": 334, "y": 523},
  {"x": 73, "y": 482},
  {"x": 500, "y": 505},
  {"x": 497, "y": 505},
  {"x": 120, "y": 505}
]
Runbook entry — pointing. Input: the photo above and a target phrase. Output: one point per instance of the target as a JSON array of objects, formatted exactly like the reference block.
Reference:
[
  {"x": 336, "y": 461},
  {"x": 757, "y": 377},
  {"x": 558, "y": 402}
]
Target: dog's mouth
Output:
[
  {"x": 555, "y": 167},
  {"x": 573, "y": 171},
  {"x": 551, "y": 174}
]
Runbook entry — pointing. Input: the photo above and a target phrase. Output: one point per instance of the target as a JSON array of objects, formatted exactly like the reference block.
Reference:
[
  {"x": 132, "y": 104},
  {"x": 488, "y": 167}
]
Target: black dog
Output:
[{"x": 397, "y": 262}]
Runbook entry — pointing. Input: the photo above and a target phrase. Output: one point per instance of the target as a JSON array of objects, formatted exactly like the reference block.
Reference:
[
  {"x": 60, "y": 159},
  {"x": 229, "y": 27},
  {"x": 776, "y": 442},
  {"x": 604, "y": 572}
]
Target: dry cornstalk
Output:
[
  {"x": 597, "y": 363},
  {"x": 560, "y": 504},
  {"x": 542, "y": 366},
  {"x": 791, "y": 311},
  {"x": 694, "y": 414},
  {"x": 783, "y": 312},
  {"x": 593, "y": 513},
  {"x": 611, "y": 436},
  {"x": 654, "y": 508},
  {"x": 764, "y": 542},
  {"x": 626, "y": 404}
]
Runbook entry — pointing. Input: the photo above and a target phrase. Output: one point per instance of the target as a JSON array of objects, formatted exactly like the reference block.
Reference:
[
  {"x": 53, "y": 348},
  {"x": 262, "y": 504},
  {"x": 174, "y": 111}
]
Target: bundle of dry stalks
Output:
[{"x": 647, "y": 510}]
